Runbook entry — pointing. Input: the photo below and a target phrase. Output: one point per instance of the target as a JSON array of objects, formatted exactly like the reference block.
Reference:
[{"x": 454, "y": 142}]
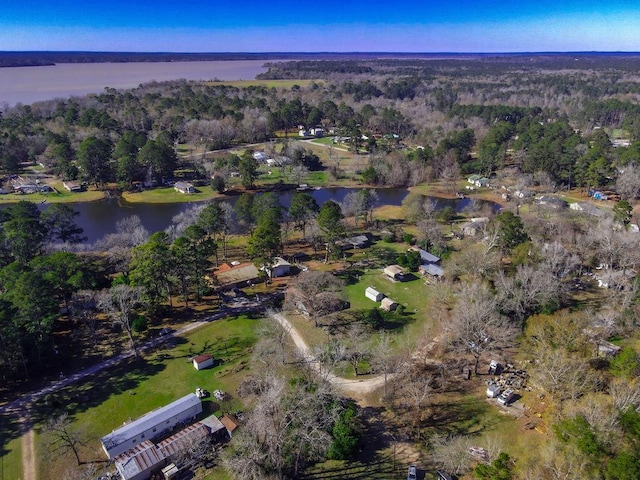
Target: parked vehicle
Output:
[
  {"x": 413, "y": 473},
  {"x": 493, "y": 390},
  {"x": 494, "y": 368},
  {"x": 506, "y": 397}
]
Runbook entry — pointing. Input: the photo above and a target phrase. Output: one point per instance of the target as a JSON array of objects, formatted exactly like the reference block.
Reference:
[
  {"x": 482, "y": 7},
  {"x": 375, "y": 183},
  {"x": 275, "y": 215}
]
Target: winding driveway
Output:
[
  {"x": 21, "y": 406},
  {"x": 347, "y": 385}
]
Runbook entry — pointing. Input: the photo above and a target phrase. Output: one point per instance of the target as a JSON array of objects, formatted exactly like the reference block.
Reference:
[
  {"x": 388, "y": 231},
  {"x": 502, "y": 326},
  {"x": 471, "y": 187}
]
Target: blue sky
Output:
[{"x": 358, "y": 25}]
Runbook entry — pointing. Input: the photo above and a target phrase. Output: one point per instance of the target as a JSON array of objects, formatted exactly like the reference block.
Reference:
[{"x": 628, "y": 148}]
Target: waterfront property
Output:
[{"x": 184, "y": 187}]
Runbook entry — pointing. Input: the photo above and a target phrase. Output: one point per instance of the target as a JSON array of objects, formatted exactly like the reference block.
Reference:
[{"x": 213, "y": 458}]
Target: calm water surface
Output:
[
  {"x": 99, "y": 218},
  {"x": 31, "y": 84}
]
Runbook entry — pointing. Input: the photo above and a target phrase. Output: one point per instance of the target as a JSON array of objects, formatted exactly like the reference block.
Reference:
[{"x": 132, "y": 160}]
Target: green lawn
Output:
[
  {"x": 11, "y": 461},
  {"x": 132, "y": 389},
  {"x": 61, "y": 196},
  {"x": 169, "y": 195}
]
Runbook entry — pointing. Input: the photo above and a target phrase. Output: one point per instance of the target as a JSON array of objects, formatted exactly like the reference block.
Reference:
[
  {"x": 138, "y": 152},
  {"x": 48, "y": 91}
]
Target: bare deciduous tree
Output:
[
  {"x": 527, "y": 290},
  {"x": 452, "y": 453},
  {"x": 63, "y": 438},
  {"x": 84, "y": 308},
  {"x": 628, "y": 182},
  {"x": 120, "y": 302},
  {"x": 476, "y": 327}
]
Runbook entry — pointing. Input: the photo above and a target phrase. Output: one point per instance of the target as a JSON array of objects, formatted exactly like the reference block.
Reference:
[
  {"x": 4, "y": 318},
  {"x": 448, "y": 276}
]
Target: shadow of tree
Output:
[{"x": 80, "y": 397}]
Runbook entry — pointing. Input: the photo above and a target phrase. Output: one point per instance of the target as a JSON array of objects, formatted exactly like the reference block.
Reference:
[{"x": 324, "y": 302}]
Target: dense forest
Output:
[{"x": 536, "y": 282}]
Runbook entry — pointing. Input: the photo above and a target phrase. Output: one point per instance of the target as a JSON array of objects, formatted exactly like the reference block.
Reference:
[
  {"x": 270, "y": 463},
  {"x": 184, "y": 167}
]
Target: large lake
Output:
[{"x": 31, "y": 84}]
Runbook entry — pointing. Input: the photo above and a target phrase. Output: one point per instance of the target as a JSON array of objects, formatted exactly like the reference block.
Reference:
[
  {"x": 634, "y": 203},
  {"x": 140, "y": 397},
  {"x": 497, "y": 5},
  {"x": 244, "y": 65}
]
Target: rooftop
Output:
[
  {"x": 139, "y": 459},
  {"x": 150, "y": 420}
]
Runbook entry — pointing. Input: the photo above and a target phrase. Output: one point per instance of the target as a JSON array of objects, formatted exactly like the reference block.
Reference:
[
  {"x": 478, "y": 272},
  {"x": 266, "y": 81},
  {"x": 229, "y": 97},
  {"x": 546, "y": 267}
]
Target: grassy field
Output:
[
  {"x": 169, "y": 195},
  {"x": 134, "y": 388},
  {"x": 11, "y": 461}
]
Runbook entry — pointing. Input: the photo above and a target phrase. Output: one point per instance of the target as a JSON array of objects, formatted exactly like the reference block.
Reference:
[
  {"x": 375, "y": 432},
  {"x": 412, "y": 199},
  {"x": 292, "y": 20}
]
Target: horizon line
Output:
[{"x": 355, "y": 52}]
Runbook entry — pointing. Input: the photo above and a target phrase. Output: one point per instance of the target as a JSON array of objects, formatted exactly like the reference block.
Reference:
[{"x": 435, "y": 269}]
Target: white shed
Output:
[
  {"x": 202, "y": 361},
  {"x": 372, "y": 294},
  {"x": 280, "y": 268}
]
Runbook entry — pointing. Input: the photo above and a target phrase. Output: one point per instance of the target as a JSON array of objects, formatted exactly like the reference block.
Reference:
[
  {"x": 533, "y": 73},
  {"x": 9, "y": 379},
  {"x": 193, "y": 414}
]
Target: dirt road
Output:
[{"x": 347, "y": 385}]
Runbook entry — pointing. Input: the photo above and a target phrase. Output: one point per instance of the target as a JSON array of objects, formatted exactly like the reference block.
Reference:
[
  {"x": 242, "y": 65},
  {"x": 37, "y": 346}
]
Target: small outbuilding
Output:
[
  {"x": 372, "y": 294},
  {"x": 230, "y": 422},
  {"x": 170, "y": 471},
  {"x": 280, "y": 268},
  {"x": 395, "y": 272},
  {"x": 388, "y": 305},
  {"x": 202, "y": 361}
]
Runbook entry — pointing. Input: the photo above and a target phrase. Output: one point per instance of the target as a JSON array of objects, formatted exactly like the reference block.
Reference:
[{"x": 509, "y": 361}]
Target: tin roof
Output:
[
  {"x": 150, "y": 420},
  {"x": 141, "y": 458}
]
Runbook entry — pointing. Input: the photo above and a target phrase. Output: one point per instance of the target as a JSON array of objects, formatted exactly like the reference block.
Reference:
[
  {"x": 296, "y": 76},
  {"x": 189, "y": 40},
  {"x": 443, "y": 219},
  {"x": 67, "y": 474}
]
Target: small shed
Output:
[
  {"x": 202, "y": 361},
  {"x": 372, "y": 294},
  {"x": 230, "y": 422},
  {"x": 280, "y": 268},
  {"x": 396, "y": 272},
  {"x": 388, "y": 305}
]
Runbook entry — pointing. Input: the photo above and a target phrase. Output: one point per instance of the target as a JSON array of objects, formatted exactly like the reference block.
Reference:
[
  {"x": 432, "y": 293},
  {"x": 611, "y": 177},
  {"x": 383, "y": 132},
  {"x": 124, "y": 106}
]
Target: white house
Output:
[
  {"x": 372, "y": 294},
  {"x": 261, "y": 157},
  {"x": 151, "y": 425},
  {"x": 202, "y": 361},
  {"x": 184, "y": 187}
]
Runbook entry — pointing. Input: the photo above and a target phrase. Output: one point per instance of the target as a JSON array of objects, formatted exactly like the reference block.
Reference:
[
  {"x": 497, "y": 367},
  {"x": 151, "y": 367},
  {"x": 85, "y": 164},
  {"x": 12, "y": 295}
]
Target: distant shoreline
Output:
[{"x": 50, "y": 58}]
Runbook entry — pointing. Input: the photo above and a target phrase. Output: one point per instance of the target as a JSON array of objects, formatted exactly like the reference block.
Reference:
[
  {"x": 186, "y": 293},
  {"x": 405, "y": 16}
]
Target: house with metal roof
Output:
[
  {"x": 431, "y": 269},
  {"x": 151, "y": 425},
  {"x": 425, "y": 257},
  {"x": 183, "y": 440},
  {"x": 140, "y": 462}
]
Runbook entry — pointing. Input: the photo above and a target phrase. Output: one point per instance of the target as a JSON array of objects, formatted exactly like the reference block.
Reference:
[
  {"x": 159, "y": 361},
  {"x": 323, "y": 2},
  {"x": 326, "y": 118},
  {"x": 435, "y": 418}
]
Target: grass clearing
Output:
[
  {"x": 134, "y": 388},
  {"x": 170, "y": 195},
  {"x": 11, "y": 460}
]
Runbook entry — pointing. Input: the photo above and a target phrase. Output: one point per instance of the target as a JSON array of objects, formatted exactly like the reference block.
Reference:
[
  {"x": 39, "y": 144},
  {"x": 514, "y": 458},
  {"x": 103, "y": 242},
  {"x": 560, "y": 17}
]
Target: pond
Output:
[{"x": 99, "y": 218}]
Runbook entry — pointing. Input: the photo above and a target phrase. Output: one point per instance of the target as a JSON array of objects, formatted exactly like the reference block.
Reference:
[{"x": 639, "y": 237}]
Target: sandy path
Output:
[
  {"x": 347, "y": 385},
  {"x": 28, "y": 452}
]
